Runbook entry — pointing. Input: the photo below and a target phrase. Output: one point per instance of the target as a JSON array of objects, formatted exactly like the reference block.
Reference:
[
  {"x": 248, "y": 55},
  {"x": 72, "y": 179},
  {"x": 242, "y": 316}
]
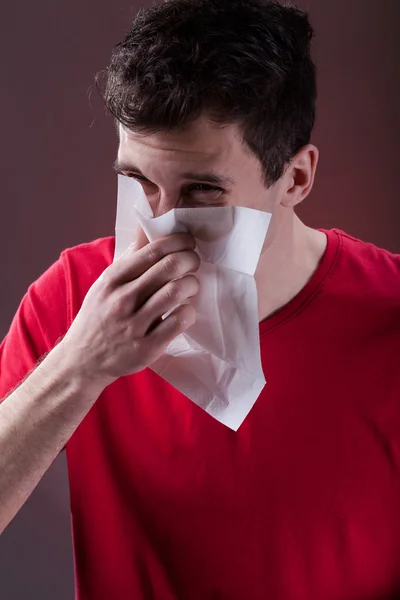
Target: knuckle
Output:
[
  {"x": 185, "y": 317},
  {"x": 119, "y": 305},
  {"x": 137, "y": 346},
  {"x": 154, "y": 252},
  {"x": 179, "y": 320},
  {"x": 105, "y": 279},
  {"x": 173, "y": 291},
  {"x": 171, "y": 265}
]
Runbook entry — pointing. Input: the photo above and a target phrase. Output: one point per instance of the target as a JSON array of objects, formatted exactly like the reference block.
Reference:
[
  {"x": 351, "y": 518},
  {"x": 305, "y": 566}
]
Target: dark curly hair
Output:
[{"x": 237, "y": 61}]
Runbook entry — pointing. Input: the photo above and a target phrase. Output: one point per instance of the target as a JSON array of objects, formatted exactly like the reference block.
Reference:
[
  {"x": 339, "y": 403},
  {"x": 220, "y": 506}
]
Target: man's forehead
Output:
[{"x": 200, "y": 138}]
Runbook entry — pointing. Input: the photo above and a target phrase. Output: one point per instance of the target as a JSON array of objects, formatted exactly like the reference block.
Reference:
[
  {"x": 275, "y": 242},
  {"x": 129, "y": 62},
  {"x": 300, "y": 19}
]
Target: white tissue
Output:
[{"x": 216, "y": 362}]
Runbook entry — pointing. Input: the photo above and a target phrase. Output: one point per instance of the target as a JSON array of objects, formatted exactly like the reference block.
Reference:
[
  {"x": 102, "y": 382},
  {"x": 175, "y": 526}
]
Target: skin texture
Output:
[{"x": 291, "y": 251}]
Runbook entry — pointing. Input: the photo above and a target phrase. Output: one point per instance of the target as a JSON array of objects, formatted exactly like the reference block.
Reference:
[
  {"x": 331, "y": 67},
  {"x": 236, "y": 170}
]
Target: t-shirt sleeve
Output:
[{"x": 39, "y": 323}]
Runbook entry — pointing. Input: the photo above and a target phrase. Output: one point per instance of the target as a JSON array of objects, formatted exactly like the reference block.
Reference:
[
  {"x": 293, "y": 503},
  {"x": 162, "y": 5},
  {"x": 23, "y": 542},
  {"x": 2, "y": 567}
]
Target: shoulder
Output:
[
  {"x": 365, "y": 287},
  {"x": 361, "y": 295},
  {"x": 82, "y": 266},
  {"x": 48, "y": 308},
  {"x": 89, "y": 259},
  {"x": 373, "y": 267},
  {"x": 76, "y": 269},
  {"x": 56, "y": 296},
  {"x": 60, "y": 290}
]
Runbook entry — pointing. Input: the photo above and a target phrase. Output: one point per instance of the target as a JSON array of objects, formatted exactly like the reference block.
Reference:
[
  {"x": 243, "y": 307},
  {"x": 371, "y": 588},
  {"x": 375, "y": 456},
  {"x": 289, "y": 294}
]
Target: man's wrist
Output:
[{"x": 63, "y": 362}]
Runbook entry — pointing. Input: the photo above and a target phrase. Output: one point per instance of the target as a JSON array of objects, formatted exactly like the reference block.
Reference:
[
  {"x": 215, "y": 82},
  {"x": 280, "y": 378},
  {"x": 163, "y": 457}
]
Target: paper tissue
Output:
[{"x": 216, "y": 363}]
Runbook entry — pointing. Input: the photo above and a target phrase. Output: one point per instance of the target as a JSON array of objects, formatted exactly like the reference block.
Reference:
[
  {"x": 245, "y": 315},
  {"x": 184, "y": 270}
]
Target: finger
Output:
[
  {"x": 133, "y": 263},
  {"x": 166, "y": 299},
  {"x": 171, "y": 267},
  {"x": 176, "y": 323}
]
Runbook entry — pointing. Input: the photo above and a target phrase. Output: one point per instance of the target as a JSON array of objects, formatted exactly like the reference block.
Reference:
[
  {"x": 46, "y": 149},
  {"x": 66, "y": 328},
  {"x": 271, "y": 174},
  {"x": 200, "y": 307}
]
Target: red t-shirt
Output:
[{"x": 301, "y": 503}]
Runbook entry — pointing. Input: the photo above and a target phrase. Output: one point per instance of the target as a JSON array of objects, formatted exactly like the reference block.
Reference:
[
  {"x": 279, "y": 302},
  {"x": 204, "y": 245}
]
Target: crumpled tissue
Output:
[{"x": 216, "y": 363}]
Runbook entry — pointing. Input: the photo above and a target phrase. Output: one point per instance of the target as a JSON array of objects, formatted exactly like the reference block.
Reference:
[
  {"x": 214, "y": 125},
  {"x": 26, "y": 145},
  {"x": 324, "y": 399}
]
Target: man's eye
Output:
[
  {"x": 196, "y": 188},
  {"x": 203, "y": 187}
]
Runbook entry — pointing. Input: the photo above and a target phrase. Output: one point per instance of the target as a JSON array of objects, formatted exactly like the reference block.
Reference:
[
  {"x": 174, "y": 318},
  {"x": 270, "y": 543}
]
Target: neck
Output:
[{"x": 288, "y": 261}]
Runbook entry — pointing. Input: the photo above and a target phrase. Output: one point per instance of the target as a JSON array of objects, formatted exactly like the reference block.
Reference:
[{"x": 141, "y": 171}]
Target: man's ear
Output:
[{"x": 300, "y": 175}]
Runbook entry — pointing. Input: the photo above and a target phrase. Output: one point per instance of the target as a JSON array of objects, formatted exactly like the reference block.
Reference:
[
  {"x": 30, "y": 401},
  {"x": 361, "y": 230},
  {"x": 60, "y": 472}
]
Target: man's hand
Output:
[{"x": 118, "y": 330}]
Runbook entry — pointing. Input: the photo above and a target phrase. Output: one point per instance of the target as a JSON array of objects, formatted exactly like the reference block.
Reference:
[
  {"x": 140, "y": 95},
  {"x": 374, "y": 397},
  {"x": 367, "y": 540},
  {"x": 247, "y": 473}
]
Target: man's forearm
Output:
[{"x": 36, "y": 421}]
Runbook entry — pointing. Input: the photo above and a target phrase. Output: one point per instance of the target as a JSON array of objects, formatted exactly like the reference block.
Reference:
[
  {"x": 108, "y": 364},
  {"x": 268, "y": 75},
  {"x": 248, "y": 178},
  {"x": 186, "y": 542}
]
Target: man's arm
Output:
[
  {"x": 118, "y": 331},
  {"x": 36, "y": 421}
]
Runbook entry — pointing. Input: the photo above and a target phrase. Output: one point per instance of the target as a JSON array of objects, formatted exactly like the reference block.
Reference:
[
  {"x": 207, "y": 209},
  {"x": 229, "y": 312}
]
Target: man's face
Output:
[{"x": 205, "y": 165}]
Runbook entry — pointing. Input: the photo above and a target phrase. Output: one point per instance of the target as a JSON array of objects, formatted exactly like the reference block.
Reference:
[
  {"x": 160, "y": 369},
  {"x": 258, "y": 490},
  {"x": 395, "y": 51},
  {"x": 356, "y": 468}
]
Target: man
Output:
[{"x": 215, "y": 104}]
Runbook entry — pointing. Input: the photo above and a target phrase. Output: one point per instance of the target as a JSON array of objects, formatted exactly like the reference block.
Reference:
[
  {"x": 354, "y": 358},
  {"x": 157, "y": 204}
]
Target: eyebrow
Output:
[{"x": 213, "y": 178}]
